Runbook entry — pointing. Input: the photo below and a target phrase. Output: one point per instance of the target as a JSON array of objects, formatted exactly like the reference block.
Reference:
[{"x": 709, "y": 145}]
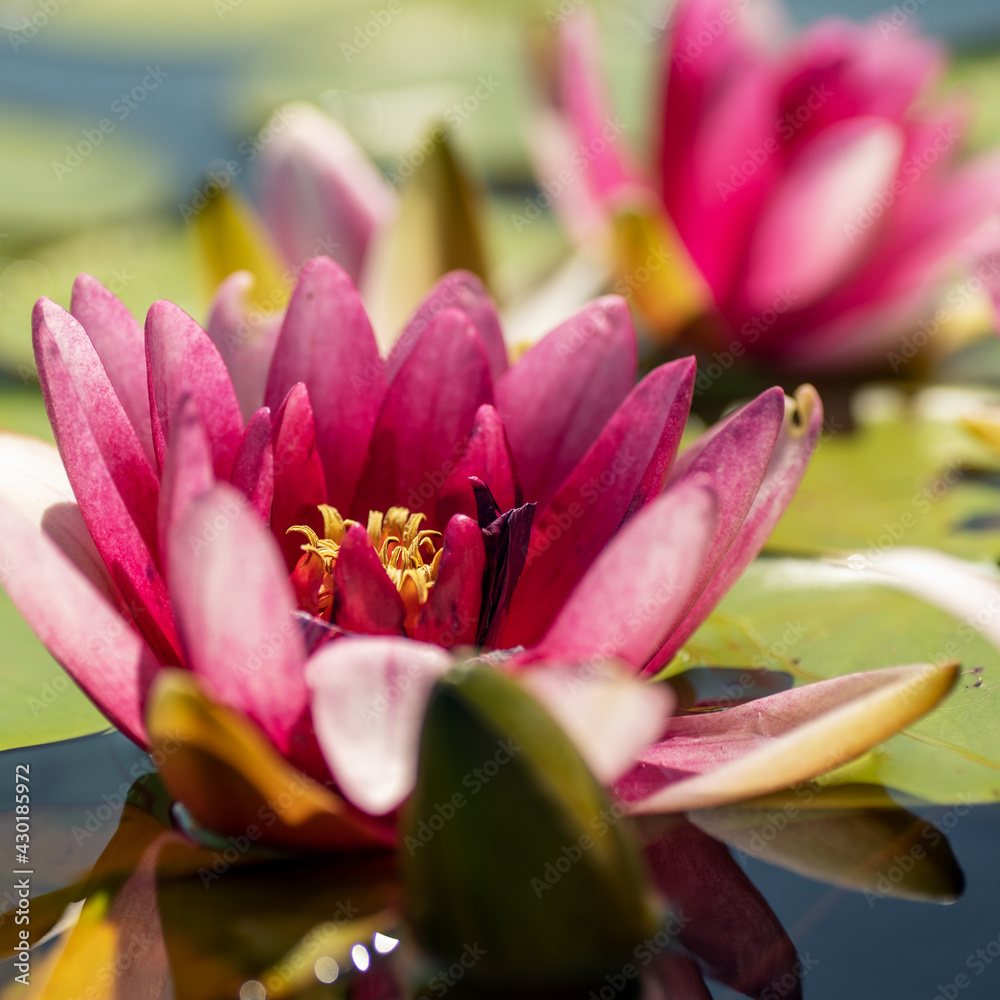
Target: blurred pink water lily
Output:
[
  {"x": 810, "y": 183},
  {"x": 311, "y": 567}
]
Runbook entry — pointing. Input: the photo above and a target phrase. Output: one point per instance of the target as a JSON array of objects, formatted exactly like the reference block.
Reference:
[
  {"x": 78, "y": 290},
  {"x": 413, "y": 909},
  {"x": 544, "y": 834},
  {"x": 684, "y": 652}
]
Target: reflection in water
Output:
[{"x": 134, "y": 908}]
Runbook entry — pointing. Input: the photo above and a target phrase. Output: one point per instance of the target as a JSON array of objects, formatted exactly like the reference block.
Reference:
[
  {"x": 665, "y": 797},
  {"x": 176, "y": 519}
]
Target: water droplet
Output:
[
  {"x": 253, "y": 989},
  {"x": 359, "y": 955},
  {"x": 384, "y": 944},
  {"x": 326, "y": 969}
]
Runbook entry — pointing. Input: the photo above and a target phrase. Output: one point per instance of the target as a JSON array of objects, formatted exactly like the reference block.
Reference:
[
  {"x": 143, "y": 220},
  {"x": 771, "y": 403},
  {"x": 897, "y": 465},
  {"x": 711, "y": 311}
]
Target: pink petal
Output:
[
  {"x": 369, "y": 697},
  {"x": 456, "y": 290},
  {"x": 610, "y": 717},
  {"x": 796, "y": 443},
  {"x": 245, "y": 337},
  {"x": 487, "y": 457},
  {"x": 119, "y": 341},
  {"x": 253, "y": 468},
  {"x": 450, "y": 617},
  {"x": 86, "y": 452},
  {"x": 234, "y": 606},
  {"x": 802, "y": 241},
  {"x": 187, "y": 469},
  {"x": 182, "y": 361},
  {"x": 98, "y": 649},
  {"x": 427, "y": 418},
  {"x": 327, "y": 342},
  {"x": 557, "y": 398},
  {"x": 637, "y": 589},
  {"x": 299, "y": 484},
  {"x": 623, "y": 469},
  {"x": 33, "y": 481},
  {"x": 82, "y": 403},
  {"x": 365, "y": 600},
  {"x": 320, "y": 194},
  {"x": 587, "y": 105},
  {"x": 732, "y": 459}
]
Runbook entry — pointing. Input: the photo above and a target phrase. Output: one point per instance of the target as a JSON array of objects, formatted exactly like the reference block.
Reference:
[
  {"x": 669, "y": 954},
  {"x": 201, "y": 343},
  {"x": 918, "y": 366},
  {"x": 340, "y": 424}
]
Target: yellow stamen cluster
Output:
[{"x": 410, "y": 553}]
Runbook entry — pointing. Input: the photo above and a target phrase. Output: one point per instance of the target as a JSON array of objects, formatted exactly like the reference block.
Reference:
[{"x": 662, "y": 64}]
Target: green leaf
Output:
[
  {"x": 899, "y": 481},
  {"x": 817, "y": 621},
  {"x": 561, "y": 895}
]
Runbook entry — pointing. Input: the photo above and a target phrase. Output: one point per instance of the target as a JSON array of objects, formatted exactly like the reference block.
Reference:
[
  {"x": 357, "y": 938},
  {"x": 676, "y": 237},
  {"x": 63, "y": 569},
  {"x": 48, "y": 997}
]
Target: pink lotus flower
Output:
[
  {"x": 811, "y": 185},
  {"x": 310, "y": 568}
]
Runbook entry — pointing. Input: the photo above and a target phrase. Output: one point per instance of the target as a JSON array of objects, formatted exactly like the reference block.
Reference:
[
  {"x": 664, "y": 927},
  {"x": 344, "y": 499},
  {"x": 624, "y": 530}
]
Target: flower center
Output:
[{"x": 410, "y": 554}]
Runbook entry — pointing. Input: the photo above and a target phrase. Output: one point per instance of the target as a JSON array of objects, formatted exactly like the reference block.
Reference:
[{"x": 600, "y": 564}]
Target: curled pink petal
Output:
[
  {"x": 364, "y": 598},
  {"x": 253, "y": 467}
]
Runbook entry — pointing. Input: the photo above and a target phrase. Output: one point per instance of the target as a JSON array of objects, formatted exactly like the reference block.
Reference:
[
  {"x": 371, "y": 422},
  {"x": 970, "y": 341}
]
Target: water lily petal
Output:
[
  {"x": 98, "y": 649},
  {"x": 33, "y": 480},
  {"x": 456, "y": 290},
  {"x": 365, "y": 600},
  {"x": 253, "y": 467},
  {"x": 610, "y": 716},
  {"x": 124, "y": 549},
  {"x": 623, "y": 469},
  {"x": 774, "y": 742},
  {"x": 234, "y": 606},
  {"x": 86, "y": 414},
  {"x": 206, "y": 746},
  {"x": 450, "y": 616},
  {"x": 182, "y": 361},
  {"x": 245, "y": 337},
  {"x": 320, "y": 194},
  {"x": 797, "y": 440},
  {"x": 637, "y": 587},
  {"x": 117, "y": 335},
  {"x": 327, "y": 342},
  {"x": 487, "y": 457},
  {"x": 299, "y": 483},
  {"x": 727, "y": 922},
  {"x": 732, "y": 459},
  {"x": 556, "y": 399},
  {"x": 368, "y": 703},
  {"x": 426, "y": 418},
  {"x": 187, "y": 469}
]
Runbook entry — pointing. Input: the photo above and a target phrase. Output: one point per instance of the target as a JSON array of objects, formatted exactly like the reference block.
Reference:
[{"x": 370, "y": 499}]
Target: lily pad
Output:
[{"x": 815, "y": 621}]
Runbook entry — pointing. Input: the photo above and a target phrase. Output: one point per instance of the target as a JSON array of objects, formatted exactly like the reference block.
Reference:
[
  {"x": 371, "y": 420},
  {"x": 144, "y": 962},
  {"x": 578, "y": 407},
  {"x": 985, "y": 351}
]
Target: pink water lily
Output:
[
  {"x": 810, "y": 183},
  {"x": 311, "y": 567}
]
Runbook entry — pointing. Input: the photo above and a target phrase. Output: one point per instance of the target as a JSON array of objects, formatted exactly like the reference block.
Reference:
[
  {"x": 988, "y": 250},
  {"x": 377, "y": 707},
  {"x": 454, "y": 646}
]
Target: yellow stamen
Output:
[{"x": 410, "y": 553}]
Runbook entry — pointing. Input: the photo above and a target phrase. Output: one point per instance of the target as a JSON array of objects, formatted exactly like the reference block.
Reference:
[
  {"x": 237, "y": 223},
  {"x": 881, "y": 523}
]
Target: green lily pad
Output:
[
  {"x": 816, "y": 621},
  {"x": 905, "y": 481}
]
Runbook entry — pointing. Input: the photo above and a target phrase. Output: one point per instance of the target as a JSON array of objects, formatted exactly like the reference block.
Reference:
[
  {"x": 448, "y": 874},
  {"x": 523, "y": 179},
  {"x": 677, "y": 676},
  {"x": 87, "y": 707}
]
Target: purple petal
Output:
[
  {"x": 557, "y": 398},
  {"x": 327, "y": 342},
  {"x": 182, "y": 361},
  {"x": 368, "y": 702},
  {"x": 234, "y": 607}
]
